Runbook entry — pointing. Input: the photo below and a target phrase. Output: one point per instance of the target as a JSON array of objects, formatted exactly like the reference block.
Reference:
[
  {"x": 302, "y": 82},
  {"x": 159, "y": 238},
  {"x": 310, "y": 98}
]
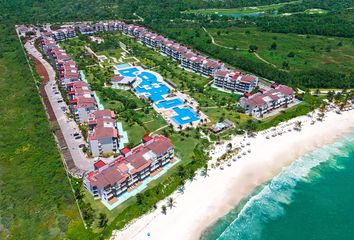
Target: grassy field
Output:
[
  {"x": 244, "y": 10},
  {"x": 35, "y": 195},
  {"x": 309, "y": 52}
]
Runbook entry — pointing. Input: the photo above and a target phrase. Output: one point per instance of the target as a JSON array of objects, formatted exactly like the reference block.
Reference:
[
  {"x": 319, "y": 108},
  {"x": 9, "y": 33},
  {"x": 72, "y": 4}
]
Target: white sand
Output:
[{"x": 208, "y": 198}]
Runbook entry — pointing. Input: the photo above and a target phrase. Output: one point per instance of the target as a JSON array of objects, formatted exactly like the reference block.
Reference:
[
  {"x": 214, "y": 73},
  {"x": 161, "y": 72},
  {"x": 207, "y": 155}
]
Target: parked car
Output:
[
  {"x": 60, "y": 101},
  {"x": 76, "y": 134},
  {"x": 77, "y": 137},
  {"x": 82, "y": 145},
  {"x": 56, "y": 93}
]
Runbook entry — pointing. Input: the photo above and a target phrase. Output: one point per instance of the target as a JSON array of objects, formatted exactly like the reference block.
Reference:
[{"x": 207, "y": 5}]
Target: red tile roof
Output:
[
  {"x": 99, "y": 164},
  {"x": 122, "y": 167},
  {"x": 222, "y": 73},
  {"x": 270, "y": 95},
  {"x": 125, "y": 150},
  {"x": 212, "y": 63},
  {"x": 147, "y": 138},
  {"x": 117, "y": 78},
  {"x": 106, "y": 113},
  {"x": 159, "y": 146},
  {"x": 248, "y": 78},
  {"x": 101, "y": 132}
]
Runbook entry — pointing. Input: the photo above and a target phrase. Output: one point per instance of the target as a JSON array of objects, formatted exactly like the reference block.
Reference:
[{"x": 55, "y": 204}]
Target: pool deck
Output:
[{"x": 175, "y": 107}]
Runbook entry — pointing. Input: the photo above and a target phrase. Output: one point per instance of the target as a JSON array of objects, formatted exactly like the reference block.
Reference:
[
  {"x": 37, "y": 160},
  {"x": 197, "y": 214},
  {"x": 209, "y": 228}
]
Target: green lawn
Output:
[
  {"x": 217, "y": 114},
  {"x": 308, "y": 104},
  {"x": 309, "y": 52},
  {"x": 243, "y": 10},
  {"x": 117, "y": 53}
]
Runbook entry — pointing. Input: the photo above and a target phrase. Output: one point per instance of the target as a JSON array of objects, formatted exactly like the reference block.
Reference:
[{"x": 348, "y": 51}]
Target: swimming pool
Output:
[
  {"x": 148, "y": 76},
  {"x": 170, "y": 103},
  {"x": 123, "y": 65},
  {"x": 129, "y": 72},
  {"x": 156, "y": 90},
  {"x": 184, "y": 116}
]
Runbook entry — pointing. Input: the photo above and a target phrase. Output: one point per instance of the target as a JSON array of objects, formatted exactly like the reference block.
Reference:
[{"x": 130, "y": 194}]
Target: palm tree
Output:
[
  {"x": 163, "y": 209},
  {"x": 343, "y": 103},
  {"x": 191, "y": 176},
  {"x": 320, "y": 116},
  {"x": 171, "y": 202},
  {"x": 298, "y": 125},
  {"x": 205, "y": 170},
  {"x": 181, "y": 189}
]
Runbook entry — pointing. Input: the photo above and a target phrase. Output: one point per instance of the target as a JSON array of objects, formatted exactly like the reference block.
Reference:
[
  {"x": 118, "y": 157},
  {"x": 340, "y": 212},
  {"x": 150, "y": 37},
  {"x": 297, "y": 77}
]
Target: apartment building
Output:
[
  {"x": 109, "y": 181},
  {"x": 234, "y": 80},
  {"x": 107, "y": 26},
  {"x": 47, "y": 43},
  {"x": 85, "y": 28},
  {"x": 82, "y": 102},
  {"x": 152, "y": 40},
  {"x": 63, "y": 33},
  {"x": 209, "y": 67},
  {"x": 68, "y": 72},
  {"x": 267, "y": 100},
  {"x": 103, "y": 136},
  {"x": 192, "y": 61}
]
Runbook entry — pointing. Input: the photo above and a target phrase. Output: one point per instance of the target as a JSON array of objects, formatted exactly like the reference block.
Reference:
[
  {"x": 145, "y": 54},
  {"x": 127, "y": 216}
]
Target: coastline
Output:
[{"x": 206, "y": 199}]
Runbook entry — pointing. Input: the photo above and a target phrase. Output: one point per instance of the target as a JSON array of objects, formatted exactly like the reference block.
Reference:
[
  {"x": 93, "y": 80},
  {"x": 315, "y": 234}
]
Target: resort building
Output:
[
  {"x": 266, "y": 100},
  {"x": 68, "y": 72},
  {"x": 192, "y": 61},
  {"x": 85, "y": 28},
  {"x": 107, "y": 26},
  {"x": 48, "y": 44},
  {"x": 108, "y": 181},
  {"x": 24, "y": 30},
  {"x": 82, "y": 102},
  {"x": 165, "y": 48},
  {"x": 222, "y": 126},
  {"x": 152, "y": 40},
  {"x": 103, "y": 134},
  {"x": 173, "y": 50},
  {"x": 58, "y": 55},
  {"x": 234, "y": 80},
  {"x": 121, "y": 82},
  {"x": 225, "y": 78},
  {"x": 63, "y": 33},
  {"x": 209, "y": 67}
]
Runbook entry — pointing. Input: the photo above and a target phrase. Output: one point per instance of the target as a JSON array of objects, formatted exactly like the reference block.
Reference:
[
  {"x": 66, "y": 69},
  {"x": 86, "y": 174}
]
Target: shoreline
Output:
[{"x": 206, "y": 199}]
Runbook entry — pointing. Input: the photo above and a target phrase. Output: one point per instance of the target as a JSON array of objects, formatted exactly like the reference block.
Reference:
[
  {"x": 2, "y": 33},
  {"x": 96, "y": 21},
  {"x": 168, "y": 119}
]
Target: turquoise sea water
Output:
[{"x": 312, "y": 199}]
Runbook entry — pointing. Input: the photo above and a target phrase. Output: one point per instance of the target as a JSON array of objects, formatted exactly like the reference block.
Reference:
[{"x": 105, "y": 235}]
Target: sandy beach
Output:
[{"x": 208, "y": 198}]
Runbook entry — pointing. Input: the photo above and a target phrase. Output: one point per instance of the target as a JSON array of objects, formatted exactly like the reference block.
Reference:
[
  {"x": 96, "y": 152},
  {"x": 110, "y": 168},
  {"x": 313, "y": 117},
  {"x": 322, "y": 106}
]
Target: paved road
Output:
[{"x": 68, "y": 126}]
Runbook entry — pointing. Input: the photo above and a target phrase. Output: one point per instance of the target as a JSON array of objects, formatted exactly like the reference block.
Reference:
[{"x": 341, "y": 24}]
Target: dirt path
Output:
[
  {"x": 160, "y": 128},
  {"x": 213, "y": 40},
  {"x": 263, "y": 60}
]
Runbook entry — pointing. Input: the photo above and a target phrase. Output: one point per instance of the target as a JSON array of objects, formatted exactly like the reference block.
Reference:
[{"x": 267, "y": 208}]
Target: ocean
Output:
[{"x": 312, "y": 199}]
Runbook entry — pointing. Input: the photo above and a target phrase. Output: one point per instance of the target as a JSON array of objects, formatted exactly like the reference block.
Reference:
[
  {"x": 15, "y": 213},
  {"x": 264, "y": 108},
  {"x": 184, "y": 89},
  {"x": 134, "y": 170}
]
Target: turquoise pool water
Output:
[
  {"x": 185, "y": 116},
  {"x": 123, "y": 65},
  {"x": 170, "y": 103}
]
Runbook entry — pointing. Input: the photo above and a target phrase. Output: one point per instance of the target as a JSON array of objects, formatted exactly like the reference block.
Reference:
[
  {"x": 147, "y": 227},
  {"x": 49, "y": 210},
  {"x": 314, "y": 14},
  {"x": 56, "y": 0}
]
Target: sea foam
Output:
[{"x": 269, "y": 203}]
